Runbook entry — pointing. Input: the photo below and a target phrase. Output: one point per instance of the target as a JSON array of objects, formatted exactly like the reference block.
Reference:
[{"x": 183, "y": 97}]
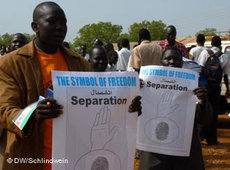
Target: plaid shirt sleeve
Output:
[
  {"x": 183, "y": 49},
  {"x": 163, "y": 44}
]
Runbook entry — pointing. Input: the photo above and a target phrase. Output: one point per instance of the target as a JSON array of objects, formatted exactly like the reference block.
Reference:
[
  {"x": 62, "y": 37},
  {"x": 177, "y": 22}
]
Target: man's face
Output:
[
  {"x": 51, "y": 26},
  {"x": 98, "y": 60},
  {"x": 172, "y": 58},
  {"x": 171, "y": 35},
  {"x": 17, "y": 42}
]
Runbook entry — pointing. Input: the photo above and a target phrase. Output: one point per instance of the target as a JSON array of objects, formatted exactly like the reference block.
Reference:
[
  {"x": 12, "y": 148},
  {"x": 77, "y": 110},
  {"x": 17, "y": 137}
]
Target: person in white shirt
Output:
[
  {"x": 214, "y": 88},
  {"x": 195, "y": 52},
  {"x": 216, "y": 47},
  {"x": 123, "y": 55}
]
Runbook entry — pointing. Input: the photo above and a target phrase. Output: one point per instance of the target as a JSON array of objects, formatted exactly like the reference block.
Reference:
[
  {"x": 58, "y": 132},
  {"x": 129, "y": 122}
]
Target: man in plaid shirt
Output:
[{"x": 170, "y": 41}]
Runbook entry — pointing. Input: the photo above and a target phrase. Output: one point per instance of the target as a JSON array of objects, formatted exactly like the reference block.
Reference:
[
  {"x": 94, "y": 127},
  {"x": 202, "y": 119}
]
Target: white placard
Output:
[
  {"x": 168, "y": 105},
  {"x": 96, "y": 130}
]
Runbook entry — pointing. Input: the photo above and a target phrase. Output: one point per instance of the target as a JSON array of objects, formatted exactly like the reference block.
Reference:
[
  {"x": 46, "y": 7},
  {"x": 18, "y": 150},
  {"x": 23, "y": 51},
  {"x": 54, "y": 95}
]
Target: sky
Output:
[{"x": 189, "y": 17}]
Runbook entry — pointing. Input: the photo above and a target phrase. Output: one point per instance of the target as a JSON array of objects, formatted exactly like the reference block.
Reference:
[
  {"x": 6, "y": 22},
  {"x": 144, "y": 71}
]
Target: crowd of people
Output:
[{"x": 25, "y": 74}]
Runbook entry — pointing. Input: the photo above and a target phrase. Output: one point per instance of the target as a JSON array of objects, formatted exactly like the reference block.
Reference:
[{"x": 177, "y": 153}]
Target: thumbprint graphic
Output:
[
  {"x": 98, "y": 160},
  {"x": 100, "y": 163},
  {"x": 162, "y": 131}
]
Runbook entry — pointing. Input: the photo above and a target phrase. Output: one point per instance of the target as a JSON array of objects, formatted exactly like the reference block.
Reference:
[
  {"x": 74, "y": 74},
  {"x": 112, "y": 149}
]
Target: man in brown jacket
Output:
[{"x": 22, "y": 81}]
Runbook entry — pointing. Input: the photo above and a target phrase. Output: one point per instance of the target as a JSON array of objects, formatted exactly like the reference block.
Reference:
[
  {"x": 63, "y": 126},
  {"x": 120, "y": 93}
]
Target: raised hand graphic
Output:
[
  {"x": 165, "y": 106},
  {"x": 101, "y": 133}
]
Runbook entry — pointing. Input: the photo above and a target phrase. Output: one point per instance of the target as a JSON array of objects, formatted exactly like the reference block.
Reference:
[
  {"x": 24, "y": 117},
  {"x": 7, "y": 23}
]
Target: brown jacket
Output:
[{"x": 20, "y": 85}]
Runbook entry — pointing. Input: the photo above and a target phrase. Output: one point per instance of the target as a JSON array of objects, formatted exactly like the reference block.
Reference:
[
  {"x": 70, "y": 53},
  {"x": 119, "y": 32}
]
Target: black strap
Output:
[
  {"x": 211, "y": 53},
  {"x": 218, "y": 54}
]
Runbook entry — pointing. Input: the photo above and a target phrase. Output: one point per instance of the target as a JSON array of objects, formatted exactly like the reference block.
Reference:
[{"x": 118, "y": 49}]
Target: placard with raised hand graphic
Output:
[
  {"x": 168, "y": 103},
  {"x": 96, "y": 131}
]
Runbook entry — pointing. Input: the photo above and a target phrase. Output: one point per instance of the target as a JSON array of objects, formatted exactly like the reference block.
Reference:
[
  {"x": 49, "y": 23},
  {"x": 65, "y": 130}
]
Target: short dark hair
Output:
[
  {"x": 112, "y": 53},
  {"x": 39, "y": 6},
  {"x": 216, "y": 41},
  {"x": 200, "y": 38},
  {"x": 98, "y": 42},
  {"x": 20, "y": 35},
  {"x": 171, "y": 48},
  {"x": 98, "y": 47},
  {"x": 144, "y": 35},
  {"x": 173, "y": 28},
  {"x": 125, "y": 42},
  {"x": 108, "y": 47}
]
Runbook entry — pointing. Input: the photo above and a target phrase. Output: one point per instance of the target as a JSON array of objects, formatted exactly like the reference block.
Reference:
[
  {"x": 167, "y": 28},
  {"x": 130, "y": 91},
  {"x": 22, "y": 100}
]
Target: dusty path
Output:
[{"x": 216, "y": 157}]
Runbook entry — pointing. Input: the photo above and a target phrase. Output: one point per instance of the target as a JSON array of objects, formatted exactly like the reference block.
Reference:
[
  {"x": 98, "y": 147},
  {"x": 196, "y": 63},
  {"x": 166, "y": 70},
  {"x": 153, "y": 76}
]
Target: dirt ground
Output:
[{"x": 216, "y": 157}]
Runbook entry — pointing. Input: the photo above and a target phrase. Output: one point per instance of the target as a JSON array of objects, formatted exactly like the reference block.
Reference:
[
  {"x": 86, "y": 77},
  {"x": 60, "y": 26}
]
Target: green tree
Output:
[
  {"x": 207, "y": 32},
  {"x": 134, "y": 29},
  {"x": 29, "y": 37},
  {"x": 156, "y": 29},
  {"x": 5, "y": 39},
  {"x": 124, "y": 35},
  {"x": 104, "y": 31}
]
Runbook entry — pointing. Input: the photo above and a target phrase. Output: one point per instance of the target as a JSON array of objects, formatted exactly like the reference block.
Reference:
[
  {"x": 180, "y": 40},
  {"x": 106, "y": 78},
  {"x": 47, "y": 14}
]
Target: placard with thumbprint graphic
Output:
[
  {"x": 168, "y": 110},
  {"x": 95, "y": 132},
  {"x": 100, "y": 157}
]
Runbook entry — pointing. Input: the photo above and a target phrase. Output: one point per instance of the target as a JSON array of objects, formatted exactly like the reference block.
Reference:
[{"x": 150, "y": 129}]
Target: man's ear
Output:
[{"x": 34, "y": 26}]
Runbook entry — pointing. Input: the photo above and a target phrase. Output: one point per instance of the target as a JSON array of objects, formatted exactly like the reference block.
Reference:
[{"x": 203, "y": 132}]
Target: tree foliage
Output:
[
  {"x": 123, "y": 36},
  {"x": 104, "y": 31},
  {"x": 29, "y": 37},
  {"x": 156, "y": 29},
  {"x": 207, "y": 32},
  {"x": 134, "y": 29},
  {"x": 5, "y": 39}
]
